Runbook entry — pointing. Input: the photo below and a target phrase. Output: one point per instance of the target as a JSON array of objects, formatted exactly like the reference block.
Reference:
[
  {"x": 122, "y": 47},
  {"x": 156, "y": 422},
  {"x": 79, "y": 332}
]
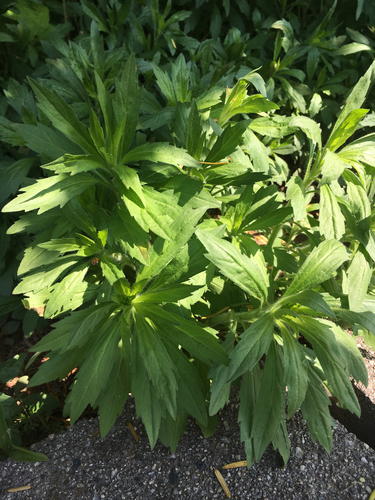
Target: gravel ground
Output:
[{"x": 83, "y": 466}]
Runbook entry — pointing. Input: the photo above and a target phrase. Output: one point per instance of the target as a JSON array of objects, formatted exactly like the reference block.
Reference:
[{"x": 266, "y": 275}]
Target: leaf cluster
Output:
[{"x": 195, "y": 214}]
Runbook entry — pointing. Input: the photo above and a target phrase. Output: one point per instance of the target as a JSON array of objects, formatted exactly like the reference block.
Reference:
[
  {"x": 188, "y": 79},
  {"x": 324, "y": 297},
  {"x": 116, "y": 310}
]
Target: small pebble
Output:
[
  {"x": 299, "y": 452},
  {"x": 200, "y": 465},
  {"x": 173, "y": 477}
]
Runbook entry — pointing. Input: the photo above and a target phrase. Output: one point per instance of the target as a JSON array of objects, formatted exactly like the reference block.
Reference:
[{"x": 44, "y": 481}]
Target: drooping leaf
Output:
[
  {"x": 350, "y": 352},
  {"x": 364, "y": 318},
  {"x": 359, "y": 206},
  {"x": 324, "y": 344},
  {"x": 194, "y": 142},
  {"x": 22, "y": 455},
  {"x": 158, "y": 364},
  {"x": 254, "y": 342},
  {"x": 12, "y": 175},
  {"x": 95, "y": 370},
  {"x": 110, "y": 269},
  {"x": 281, "y": 442},
  {"x": 58, "y": 366},
  {"x": 82, "y": 325},
  {"x": 270, "y": 406},
  {"x": 250, "y": 385},
  {"x": 276, "y": 217},
  {"x": 191, "y": 390},
  {"x": 220, "y": 388},
  {"x": 296, "y": 378},
  {"x": 172, "y": 429},
  {"x": 112, "y": 399},
  {"x": 316, "y": 413},
  {"x": 200, "y": 342}
]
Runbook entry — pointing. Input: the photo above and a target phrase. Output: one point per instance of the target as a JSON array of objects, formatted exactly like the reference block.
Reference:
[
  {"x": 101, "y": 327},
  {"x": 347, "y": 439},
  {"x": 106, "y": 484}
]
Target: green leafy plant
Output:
[
  {"x": 185, "y": 233},
  {"x": 9, "y": 449},
  {"x": 159, "y": 299}
]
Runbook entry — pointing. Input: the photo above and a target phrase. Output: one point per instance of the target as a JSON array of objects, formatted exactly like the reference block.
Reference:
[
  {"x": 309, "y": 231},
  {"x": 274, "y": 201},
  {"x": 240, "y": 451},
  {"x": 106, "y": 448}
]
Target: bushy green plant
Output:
[{"x": 189, "y": 234}]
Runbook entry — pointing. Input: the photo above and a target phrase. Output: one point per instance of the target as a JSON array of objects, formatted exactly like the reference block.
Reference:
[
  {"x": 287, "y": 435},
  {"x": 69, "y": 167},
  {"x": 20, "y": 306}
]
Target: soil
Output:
[{"x": 39, "y": 427}]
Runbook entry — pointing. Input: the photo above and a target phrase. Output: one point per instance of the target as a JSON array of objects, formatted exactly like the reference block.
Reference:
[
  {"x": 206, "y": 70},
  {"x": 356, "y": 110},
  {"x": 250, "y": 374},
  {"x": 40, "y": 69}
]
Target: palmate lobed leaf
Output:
[
  {"x": 95, "y": 370},
  {"x": 234, "y": 265},
  {"x": 191, "y": 389},
  {"x": 38, "y": 280},
  {"x": 163, "y": 251},
  {"x": 201, "y": 342},
  {"x": 48, "y": 193},
  {"x": 63, "y": 117},
  {"x": 157, "y": 362}
]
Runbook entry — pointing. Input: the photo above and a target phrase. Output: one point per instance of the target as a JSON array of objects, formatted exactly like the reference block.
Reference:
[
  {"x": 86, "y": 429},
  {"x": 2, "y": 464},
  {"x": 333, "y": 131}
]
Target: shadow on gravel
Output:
[{"x": 363, "y": 428}]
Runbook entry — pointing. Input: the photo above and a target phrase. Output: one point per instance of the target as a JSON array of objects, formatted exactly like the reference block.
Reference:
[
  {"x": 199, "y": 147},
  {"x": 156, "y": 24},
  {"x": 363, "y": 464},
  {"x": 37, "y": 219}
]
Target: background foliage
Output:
[{"x": 196, "y": 210}]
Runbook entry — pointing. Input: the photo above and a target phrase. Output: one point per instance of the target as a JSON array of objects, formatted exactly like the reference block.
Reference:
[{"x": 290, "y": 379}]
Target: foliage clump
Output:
[{"x": 194, "y": 213}]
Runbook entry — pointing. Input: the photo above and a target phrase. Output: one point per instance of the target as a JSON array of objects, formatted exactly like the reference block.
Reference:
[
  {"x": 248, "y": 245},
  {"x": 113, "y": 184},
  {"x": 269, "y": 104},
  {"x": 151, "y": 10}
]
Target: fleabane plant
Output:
[{"x": 175, "y": 271}]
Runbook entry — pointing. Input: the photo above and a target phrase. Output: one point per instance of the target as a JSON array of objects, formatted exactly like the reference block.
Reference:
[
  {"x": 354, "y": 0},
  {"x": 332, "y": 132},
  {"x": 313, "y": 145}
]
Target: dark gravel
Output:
[{"x": 83, "y": 466}]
